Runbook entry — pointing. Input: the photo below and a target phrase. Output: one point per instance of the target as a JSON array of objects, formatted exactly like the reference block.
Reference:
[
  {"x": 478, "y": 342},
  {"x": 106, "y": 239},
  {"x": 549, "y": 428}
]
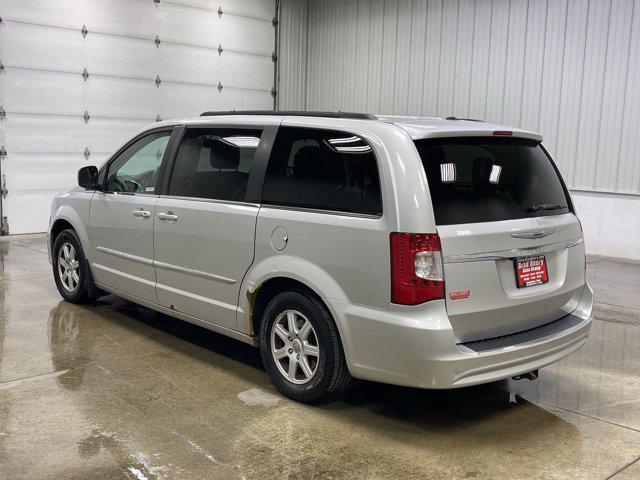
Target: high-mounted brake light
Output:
[
  {"x": 416, "y": 268},
  {"x": 506, "y": 133}
]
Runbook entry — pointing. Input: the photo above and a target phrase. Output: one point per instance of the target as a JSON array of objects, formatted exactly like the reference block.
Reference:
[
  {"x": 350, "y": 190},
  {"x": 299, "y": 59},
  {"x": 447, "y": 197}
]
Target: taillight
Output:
[{"x": 416, "y": 268}]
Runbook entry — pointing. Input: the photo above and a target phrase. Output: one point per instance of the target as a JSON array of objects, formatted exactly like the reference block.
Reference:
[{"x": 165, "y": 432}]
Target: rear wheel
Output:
[
  {"x": 301, "y": 349},
  {"x": 70, "y": 268}
]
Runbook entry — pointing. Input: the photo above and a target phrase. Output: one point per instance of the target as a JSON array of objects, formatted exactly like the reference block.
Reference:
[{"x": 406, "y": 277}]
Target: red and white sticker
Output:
[{"x": 459, "y": 294}]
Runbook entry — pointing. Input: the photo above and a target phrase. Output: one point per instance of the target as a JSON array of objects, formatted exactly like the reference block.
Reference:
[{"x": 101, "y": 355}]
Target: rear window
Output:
[{"x": 488, "y": 179}]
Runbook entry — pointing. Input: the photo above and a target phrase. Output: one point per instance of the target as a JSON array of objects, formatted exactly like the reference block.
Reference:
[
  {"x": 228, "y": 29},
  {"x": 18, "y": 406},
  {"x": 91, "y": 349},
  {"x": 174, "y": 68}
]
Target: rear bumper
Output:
[{"x": 418, "y": 348}]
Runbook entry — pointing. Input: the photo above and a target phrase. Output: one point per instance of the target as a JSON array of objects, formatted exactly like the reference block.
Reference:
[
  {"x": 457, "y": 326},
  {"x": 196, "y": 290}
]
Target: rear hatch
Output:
[{"x": 511, "y": 244}]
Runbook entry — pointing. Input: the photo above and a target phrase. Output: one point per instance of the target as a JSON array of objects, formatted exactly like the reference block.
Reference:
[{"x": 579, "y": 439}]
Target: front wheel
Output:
[
  {"x": 301, "y": 349},
  {"x": 70, "y": 268}
]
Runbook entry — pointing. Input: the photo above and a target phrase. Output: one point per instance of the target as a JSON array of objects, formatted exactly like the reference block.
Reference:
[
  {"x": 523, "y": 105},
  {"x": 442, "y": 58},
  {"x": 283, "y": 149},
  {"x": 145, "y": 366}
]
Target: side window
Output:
[
  {"x": 214, "y": 163},
  {"x": 322, "y": 169},
  {"x": 136, "y": 169}
]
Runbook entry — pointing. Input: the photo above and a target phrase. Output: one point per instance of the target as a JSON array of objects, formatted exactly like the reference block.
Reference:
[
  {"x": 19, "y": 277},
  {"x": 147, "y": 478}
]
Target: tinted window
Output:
[
  {"x": 485, "y": 179},
  {"x": 322, "y": 169},
  {"x": 136, "y": 169},
  {"x": 214, "y": 163}
]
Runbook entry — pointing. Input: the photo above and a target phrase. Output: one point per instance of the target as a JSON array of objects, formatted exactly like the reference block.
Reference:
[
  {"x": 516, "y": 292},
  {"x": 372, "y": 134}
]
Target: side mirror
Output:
[{"x": 88, "y": 177}]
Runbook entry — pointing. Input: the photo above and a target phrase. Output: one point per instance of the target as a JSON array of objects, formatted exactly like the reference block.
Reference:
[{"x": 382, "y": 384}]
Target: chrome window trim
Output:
[
  {"x": 131, "y": 194},
  {"x": 210, "y": 200},
  {"x": 514, "y": 253},
  {"x": 319, "y": 210},
  {"x": 166, "y": 266}
]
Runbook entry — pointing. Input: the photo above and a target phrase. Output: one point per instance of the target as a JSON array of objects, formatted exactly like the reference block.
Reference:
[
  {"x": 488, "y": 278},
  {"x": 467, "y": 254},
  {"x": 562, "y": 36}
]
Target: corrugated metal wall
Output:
[
  {"x": 292, "y": 61},
  {"x": 567, "y": 68}
]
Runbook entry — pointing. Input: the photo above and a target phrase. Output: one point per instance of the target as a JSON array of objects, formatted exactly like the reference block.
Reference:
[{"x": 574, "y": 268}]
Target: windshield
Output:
[{"x": 488, "y": 179}]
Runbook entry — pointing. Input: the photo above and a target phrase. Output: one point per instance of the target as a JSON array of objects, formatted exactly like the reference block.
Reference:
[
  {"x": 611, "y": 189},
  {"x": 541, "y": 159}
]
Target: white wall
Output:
[
  {"x": 611, "y": 223},
  {"x": 45, "y": 96},
  {"x": 569, "y": 69}
]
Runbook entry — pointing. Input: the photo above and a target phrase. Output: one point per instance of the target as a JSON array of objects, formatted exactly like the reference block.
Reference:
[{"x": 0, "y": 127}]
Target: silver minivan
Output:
[{"x": 427, "y": 252}]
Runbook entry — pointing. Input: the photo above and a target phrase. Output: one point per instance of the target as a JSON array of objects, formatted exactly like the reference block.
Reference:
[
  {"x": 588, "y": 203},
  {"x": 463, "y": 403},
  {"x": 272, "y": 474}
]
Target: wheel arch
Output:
[
  {"x": 67, "y": 218},
  {"x": 268, "y": 278}
]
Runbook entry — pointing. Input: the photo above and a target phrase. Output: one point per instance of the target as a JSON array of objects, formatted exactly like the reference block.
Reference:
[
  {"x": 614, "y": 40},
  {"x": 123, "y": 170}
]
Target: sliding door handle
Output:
[
  {"x": 169, "y": 216},
  {"x": 140, "y": 212}
]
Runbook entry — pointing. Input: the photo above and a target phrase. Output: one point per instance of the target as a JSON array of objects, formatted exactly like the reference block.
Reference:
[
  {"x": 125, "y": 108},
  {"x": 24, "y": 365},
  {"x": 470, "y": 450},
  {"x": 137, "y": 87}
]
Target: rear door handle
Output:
[
  {"x": 169, "y": 216},
  {"x": 141, "y": 213}
]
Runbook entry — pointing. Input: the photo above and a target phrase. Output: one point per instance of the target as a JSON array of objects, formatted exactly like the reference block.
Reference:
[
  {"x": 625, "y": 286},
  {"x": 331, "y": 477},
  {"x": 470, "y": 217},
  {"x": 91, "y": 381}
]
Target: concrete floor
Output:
[{"x": 114, "y": 390}]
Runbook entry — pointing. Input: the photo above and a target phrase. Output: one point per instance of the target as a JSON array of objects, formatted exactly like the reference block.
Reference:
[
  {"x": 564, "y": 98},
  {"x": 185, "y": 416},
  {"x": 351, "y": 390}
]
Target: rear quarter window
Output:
[
  {"x": 488, "y": 179},
  {"x": 322, "y": 170}
]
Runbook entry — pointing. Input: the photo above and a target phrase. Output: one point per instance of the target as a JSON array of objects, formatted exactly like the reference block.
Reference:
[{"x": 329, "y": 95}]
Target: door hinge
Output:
[
  {"x": 85, "y": 74},
  {"x": 84, "y": 31},
  {"x": 86, "y": 117},
  {"x": 3, "y": 114},
  {"x": 86, "y": 153},
  {"x": 3, "y": 186},
  {"x": 4, "y": 227},
  {"x": 220, "y": 87},
  {"x": 158, "y": 81},
  {"x": 3, "y": 152}
]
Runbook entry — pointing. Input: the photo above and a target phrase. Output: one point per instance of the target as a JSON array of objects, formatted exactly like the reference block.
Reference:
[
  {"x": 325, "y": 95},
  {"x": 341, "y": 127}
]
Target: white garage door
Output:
[{"x": 142, "y": 60}]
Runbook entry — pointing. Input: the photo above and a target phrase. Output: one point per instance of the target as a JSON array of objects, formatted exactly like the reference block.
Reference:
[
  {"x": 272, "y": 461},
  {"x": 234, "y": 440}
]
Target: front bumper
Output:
[{"x": 417, "y": 348}]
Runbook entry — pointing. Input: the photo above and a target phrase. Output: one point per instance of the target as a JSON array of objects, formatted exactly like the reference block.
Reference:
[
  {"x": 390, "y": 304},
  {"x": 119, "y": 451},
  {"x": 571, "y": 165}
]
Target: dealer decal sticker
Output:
[{"x": 459, "y": 294}]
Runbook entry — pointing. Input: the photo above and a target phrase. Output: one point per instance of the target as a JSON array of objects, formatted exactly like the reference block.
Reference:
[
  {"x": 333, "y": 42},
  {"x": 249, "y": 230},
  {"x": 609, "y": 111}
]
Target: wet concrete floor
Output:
[{"x": 116, "y": 391}]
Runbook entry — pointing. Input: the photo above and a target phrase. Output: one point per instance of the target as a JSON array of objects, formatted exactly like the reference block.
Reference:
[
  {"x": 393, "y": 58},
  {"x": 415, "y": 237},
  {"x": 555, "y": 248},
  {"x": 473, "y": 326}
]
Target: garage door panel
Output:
[
  {"x": 44, "y": 133},
  {"x": 189, "y": 64},
  {"x": 122, "y": 97},
  {"x": 121, "y": 56},
  {"x": 106, "y": 135},
  {"x": 206, "y": 28},
  {"x": 199, "y": 65},
  {"x": 243, "y": 100},
  {"x": 67, "y": 14},
  {"x": 246, "y": 71},
  {"x": 37, "y": 91},
  {"x": 188, "y": 25},
  {"x": 33, "y": 46},
  {"x": 24, "y": 171},
  {"x": 178, "y": 100},
  {"x": 28, "y": 211},
  {"x": 255, "y": 8},
  {"x": 233, "y": 30},
  {"x": 122, "y": 17}
]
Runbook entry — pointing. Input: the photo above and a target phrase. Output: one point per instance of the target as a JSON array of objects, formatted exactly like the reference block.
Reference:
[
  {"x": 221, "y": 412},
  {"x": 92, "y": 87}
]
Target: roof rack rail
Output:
[
  {"x": 357, "y": 116},
  {"x": 464, "y": 119}
]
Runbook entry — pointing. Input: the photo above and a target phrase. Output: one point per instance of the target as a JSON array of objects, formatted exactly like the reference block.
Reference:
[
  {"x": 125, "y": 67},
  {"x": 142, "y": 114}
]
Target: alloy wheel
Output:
[
  {"x": 294, "y": 346},
  {"x": 68, "y": 267}
]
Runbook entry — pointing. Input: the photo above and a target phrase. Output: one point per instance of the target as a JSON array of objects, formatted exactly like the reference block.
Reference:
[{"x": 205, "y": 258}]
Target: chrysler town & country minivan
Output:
[{"x": 426, "y": 252}]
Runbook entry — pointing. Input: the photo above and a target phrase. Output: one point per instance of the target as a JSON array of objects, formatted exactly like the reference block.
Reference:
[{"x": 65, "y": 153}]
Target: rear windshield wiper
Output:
[{"x": 545, "y": 206}]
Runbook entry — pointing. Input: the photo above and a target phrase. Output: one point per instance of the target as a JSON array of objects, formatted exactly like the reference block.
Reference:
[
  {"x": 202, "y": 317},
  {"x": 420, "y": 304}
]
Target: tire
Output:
[
  {"x": 76, "y": 286},
  {"x": 316, "y": 377}
]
